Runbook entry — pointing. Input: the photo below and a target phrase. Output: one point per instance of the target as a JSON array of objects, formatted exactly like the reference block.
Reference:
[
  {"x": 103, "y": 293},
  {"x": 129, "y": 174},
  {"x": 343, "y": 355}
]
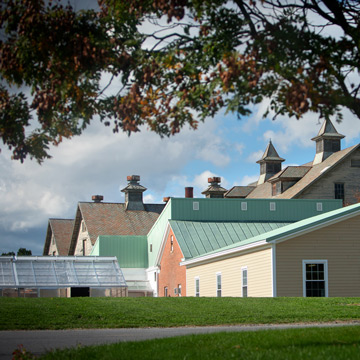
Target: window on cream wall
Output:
[
  {"x": 197, "y": 286},
  {"x": 218, "y": 284},
  {"x": 244, "y": 282}
]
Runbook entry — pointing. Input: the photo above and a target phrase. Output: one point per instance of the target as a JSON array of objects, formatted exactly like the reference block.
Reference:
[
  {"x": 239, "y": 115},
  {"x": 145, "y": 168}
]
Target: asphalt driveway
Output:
[{"x": 41, "y": 341}]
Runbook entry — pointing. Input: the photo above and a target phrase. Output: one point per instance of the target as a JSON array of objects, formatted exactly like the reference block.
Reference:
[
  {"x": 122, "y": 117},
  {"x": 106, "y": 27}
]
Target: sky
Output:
[{"x": 98, "y": 162}]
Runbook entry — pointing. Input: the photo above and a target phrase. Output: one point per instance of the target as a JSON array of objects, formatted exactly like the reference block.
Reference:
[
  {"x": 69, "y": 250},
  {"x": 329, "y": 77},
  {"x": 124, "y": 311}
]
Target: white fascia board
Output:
[
  {"x": 152, "y": 269},
  {"x": 224, "y": 253},
  {"x": 315, "y": 227},
  {"x": 162, "y": 245}
]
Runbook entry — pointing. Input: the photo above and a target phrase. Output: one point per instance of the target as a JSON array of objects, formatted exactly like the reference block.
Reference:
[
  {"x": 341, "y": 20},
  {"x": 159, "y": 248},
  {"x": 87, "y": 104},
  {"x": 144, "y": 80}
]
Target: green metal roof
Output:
[
  {"x": 292, "y": 229},
  {"x": 231, "y": 210},
  {"x": 199, "y": 238},
  {"x": 131, "y": 251}
]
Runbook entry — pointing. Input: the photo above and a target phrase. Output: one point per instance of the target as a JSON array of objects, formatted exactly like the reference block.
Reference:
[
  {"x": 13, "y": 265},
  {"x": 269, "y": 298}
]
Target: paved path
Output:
[{"x": 40, "y": 341}]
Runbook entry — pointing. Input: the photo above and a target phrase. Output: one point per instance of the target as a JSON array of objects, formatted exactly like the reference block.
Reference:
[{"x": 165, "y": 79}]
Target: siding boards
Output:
[
  {"x": 338, "y": 243},
  {"x": 342, "y": 173},
  {"x": 259, "y": 275}
]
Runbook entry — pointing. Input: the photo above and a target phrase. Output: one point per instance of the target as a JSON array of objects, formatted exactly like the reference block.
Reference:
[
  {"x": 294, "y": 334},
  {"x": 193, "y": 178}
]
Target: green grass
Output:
[
  {"x": 311, "y": 343},
  {"x": 66, "y": 313}
]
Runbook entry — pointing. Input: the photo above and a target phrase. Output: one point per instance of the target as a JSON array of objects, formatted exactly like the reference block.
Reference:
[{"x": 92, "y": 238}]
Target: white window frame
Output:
[
  {"x": 218, "y": 290},
  {"x": 243, "y": 269},
  {"x": 319, "y": 206},
  {"x": 197, "y": 286},
  {"x": 272, "y": 206},
  {"x": 179, "y": 290},
  {"x": 244, "y": 206},
  {"x": 196, "y": 205},
  {"x": 325, "y": 263}
]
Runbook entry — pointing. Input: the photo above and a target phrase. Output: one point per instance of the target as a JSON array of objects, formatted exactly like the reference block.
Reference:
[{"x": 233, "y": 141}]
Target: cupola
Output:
[
  {"x": 328, "y": 141},
  {"x": 270, "y": 163},
  {"x": 214, "y": 190},
  {"x": 134, "y": 193}
]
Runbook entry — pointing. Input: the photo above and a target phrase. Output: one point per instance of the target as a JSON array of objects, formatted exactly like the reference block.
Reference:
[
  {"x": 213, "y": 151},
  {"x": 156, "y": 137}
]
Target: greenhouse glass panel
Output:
[{"x": 69, "y": 271}]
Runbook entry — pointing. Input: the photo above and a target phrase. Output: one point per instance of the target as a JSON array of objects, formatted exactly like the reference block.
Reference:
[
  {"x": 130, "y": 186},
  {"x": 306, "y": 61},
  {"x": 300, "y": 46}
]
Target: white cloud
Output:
[
  {"x": 248, "y": 179},
  {"x": 255, "y": 156}
]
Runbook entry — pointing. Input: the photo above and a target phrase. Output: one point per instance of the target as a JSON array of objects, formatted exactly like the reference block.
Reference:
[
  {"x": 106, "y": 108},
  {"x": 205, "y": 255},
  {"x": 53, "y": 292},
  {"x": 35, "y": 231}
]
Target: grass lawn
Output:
[
  {"x": 66, "y": 313},
  {"x": 323, "y": 343}
]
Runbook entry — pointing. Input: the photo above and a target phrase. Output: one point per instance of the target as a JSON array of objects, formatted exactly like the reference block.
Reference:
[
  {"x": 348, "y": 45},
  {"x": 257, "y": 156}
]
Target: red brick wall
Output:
[{"x": 171, "y": 273}]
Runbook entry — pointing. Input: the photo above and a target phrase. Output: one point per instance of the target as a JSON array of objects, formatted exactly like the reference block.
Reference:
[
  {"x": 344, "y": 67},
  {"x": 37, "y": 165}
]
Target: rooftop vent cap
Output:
[
  {"x": 97, "y": 198},
  {"x": 214, "y": 179},
  {"x": 133, "y": 178}
]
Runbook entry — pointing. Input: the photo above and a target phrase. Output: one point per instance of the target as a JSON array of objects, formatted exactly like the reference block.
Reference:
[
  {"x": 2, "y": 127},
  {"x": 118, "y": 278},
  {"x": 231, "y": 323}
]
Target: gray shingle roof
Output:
[
  {"x": 62, "y": 231},
  {"x": 113, "y": 219}
]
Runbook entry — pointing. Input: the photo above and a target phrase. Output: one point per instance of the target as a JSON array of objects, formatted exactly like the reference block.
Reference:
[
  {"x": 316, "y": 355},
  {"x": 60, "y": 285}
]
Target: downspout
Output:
[{"x": 273, "y": 266}]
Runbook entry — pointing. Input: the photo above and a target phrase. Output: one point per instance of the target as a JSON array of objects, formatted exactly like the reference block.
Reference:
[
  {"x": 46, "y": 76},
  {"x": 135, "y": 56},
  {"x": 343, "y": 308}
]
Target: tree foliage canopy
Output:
[{"x": 172, "y": 63}]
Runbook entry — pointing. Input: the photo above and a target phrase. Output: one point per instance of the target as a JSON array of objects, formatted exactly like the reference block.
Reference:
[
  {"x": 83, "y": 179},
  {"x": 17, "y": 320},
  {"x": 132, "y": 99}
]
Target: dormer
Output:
[
  {"x": 270, "y": 164},
  {"x": 328, "y": 141}
]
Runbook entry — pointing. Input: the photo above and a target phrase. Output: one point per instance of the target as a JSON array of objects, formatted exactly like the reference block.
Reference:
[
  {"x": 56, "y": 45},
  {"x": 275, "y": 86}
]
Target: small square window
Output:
[
  {"x": 244, "y": 206},
  {"x": 195, "y": 205},
  {"x": 272, "y": 206},
  {"x": 319, "y": 207}
]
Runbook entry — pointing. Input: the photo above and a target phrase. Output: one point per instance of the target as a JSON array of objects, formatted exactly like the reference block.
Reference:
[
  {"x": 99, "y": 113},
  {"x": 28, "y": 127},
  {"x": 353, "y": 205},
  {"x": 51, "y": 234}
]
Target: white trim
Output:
[
  {"x": 162, "y": 245},
  {"x": 224, "y": 253},
  {"x": 315, "y": 227},
  {"x": 273, "y": 268},
  {"x": 325, "y": 262},
  {"x": 242, "y": 281}
]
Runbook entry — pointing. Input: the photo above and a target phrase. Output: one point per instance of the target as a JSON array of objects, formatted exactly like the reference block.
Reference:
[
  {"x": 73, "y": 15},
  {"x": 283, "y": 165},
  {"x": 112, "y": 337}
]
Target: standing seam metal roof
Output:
[
  {"x": 199, "y": 238},
  {"x": 296, "y": 227}
]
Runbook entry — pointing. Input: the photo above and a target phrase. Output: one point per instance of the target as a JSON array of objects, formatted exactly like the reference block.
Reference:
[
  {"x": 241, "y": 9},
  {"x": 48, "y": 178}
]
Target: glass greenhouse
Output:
[{"x": 67, "y": 276}]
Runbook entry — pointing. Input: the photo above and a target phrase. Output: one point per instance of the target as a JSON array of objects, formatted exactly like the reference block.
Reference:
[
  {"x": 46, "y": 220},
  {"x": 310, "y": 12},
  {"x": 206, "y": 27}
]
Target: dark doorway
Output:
[{"x": 80, "y": 292}]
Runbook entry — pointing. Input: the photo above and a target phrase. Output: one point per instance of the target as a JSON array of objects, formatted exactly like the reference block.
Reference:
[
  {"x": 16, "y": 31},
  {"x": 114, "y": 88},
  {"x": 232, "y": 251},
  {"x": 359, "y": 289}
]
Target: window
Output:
[
  {"x": 195, "y": 205},
  {"x": 218, "y": 285},
  {"x": 165, "y": 291},
  {"x": 197, "y": 287},
  {"x": 355, "y": 163},
  {"x": 272, "y": 206},
  {"x": 171, "y": 243},
  {"x": 244, "y": 279},
  {"x": 83, "y": 226},
  {"x": 319, "y": 207},
  {"x": 339, "y": 191},
  {"x": 150, "y": 247},
  {"x": 179, "y": 289},
  {"x": 84, "y": 247},
  {"x": 315, "y": 278},
  {"x": 244, "y": 206}
]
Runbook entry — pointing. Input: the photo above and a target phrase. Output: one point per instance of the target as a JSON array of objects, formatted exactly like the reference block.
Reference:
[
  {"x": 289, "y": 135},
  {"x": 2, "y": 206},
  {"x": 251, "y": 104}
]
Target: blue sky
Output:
[{"x": 98, "y": 162}]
